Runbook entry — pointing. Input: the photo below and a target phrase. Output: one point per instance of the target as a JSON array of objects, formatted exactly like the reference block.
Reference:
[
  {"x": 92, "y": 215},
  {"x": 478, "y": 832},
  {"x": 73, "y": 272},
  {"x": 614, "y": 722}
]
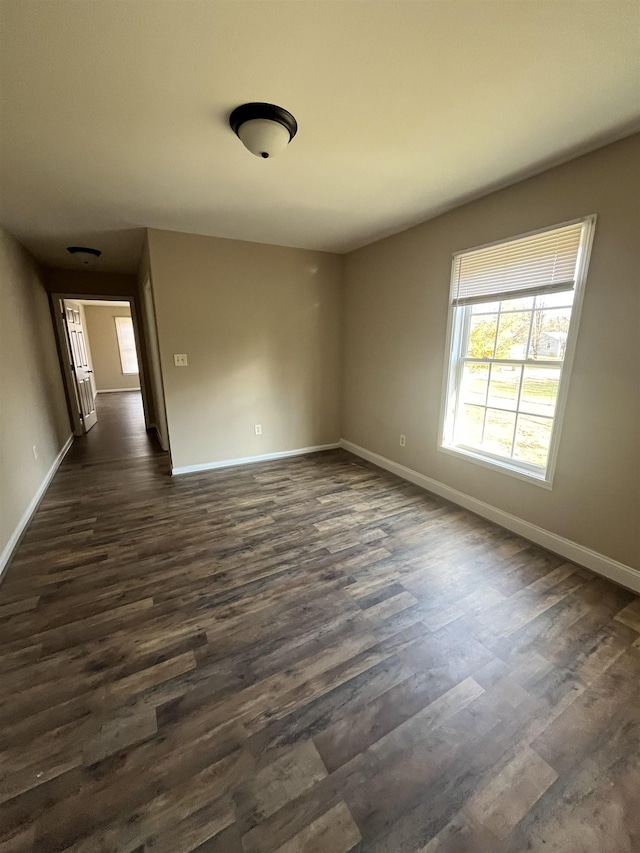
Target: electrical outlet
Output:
[
  {"x": 180, "y": 359},
  {"x": 258, "y": 429},
  {"x": 403, "y": 441},
  {"x": 35, "y": 451}
]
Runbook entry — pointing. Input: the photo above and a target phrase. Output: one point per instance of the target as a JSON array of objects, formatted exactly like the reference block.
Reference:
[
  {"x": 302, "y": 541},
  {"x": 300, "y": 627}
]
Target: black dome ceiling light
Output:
[
  {"x": 83, "y": 254},
  {"x": 264, "y": 129}
]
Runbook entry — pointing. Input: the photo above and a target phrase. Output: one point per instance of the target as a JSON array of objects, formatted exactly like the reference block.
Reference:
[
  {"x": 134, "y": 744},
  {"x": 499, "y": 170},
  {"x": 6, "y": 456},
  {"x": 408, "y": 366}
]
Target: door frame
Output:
[
  {"x": 149, "y": 328},
  {"x": 71, "y": 394}
]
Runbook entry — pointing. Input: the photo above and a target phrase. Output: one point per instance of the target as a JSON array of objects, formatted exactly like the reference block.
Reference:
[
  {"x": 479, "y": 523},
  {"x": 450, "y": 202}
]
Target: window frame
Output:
[
  {"x": 118, "y": 324},
  {"x": 457, "y": 333}
]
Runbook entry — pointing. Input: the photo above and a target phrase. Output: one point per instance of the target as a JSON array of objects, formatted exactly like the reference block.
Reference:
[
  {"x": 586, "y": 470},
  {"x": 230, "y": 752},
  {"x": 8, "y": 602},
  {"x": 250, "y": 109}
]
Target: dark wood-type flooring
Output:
[{"x": 303, "y": 656}]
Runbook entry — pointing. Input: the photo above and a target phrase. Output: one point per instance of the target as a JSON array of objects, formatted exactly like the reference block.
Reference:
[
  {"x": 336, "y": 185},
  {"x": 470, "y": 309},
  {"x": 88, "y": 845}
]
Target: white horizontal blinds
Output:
[{"x": 526, "y": 266}]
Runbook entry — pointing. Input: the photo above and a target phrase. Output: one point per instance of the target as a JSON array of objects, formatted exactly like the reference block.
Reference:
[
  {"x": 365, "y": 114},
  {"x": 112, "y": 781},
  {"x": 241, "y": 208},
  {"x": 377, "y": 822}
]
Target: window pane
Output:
[
  {"x": 504, "y": 386},
  {"x": 127, "y": 344},
  {"x": 518, "y": 304},
  {"x": 482, "y": 336},
  {"x": 498, "y": 432},
  {"x": 540, "y": 390},
  {"x": 475, "y": 378},
  {"x": 469, "y": 425},
  {"x": 549, "y": 333},
  {"x": 532, "y": 439},
  {"x": 557, "y": 300},
  {"x": 485, "y": 307},
  {"x": 513, "y": 334}
]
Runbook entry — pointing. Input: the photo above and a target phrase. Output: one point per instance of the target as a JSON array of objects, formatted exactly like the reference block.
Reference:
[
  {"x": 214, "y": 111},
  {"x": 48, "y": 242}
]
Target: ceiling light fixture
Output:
[
  {"x": 264, "y": 129},
  {"x": 85, "y": 255}
]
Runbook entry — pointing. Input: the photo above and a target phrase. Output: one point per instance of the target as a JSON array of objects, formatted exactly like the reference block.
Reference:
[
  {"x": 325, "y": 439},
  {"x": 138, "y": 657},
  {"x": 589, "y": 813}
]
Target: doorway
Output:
[{"x": 99, "y": 345}]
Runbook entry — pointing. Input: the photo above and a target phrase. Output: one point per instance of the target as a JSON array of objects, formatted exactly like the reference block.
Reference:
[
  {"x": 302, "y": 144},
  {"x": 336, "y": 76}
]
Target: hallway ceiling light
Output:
[
  {"x": 85, "y": 255},
  {"x": 264, "y": 129}
]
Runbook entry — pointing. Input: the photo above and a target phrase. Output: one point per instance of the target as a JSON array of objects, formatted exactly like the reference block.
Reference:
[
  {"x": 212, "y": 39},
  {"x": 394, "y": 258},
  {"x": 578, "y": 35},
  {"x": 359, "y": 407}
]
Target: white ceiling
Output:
[{"x": 114, "y": 114}]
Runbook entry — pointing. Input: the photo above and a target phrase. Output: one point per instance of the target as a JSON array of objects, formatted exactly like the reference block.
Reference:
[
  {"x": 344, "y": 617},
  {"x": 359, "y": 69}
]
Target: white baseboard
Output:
[
  {"x": 599, "y": 563},
  {"x": 9, "y": 548},
  {"x": 248, "y": 460},
  {"x": 115, "y": 390}
]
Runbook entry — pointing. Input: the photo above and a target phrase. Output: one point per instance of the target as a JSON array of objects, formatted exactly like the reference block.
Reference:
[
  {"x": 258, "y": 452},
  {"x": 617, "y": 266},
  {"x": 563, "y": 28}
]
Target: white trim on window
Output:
[{"x": 458, "y": 328}]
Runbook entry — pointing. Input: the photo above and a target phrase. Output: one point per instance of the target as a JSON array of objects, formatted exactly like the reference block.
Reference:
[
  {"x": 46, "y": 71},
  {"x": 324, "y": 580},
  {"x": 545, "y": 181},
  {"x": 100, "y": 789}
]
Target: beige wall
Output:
[
  {"x": 396, "y": 306},
  {"x": 105, "y": 354},
  {"x": 87, "y": 282},
  {"x": 261, "y": 328},
  {"x": 32, "y": 401}
]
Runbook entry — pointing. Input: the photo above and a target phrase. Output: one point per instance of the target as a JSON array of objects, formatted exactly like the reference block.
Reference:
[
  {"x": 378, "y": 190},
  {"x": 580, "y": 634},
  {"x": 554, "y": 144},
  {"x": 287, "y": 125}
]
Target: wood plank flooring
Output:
[{"x": 304, "y": 656}]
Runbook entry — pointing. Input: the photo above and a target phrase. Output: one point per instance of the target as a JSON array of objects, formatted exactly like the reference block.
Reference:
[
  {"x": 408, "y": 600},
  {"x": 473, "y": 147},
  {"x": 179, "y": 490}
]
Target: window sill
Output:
[{"x": 501, "y": 466}]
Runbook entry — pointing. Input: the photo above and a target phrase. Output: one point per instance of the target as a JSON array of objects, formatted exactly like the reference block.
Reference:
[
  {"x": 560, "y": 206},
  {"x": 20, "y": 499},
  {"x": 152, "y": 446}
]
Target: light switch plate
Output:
[{"x": 180, "y": 359}]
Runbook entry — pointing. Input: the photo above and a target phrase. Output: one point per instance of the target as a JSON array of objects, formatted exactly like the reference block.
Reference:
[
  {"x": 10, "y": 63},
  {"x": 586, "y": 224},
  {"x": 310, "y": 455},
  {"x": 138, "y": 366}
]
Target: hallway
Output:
[
  {"x": 120, "y": 433},
  {"x": 302, "y": 656}
]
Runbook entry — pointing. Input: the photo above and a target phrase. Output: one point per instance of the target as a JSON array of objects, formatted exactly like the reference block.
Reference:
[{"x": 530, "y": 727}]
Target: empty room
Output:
[{"x": 319, "y": 426}]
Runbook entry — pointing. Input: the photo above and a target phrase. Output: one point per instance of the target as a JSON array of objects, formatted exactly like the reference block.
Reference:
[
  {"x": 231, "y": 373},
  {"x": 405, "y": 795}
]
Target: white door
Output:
[{"x": 80, "y": 363}]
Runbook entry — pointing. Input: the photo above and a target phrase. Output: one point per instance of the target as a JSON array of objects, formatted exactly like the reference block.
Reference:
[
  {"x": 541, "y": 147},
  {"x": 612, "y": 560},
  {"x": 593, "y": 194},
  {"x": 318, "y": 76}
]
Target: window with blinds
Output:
[
  {"x": 126, "y": 345},
  {"x": 512, "y": 328}
]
